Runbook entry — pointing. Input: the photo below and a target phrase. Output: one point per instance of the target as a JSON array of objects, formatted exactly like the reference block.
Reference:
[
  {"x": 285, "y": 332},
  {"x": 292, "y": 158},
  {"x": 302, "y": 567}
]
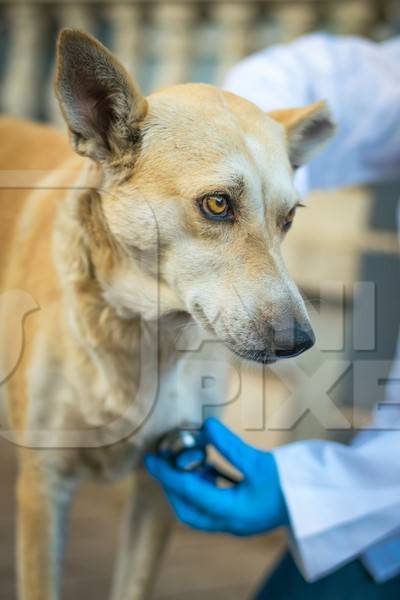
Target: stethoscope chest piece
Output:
[{"x": 186, "y": 450}]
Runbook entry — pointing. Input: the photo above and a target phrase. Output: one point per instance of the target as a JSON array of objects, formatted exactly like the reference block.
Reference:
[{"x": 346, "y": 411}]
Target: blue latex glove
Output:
[{"x": 254, "y": 505}]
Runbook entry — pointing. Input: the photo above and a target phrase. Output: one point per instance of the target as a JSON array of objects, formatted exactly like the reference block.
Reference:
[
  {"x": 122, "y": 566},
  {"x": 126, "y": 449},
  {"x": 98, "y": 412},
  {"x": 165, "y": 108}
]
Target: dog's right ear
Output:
[
  {"x": 100, "y": 103},
  {"x": 307, "y": 129}
]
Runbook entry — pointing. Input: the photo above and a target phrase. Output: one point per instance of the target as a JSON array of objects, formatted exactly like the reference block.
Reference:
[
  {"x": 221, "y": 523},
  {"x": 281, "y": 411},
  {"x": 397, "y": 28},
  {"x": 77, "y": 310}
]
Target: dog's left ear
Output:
[
  {"x": 307, "y": 130},
  {"x": 100, "y": 103}
]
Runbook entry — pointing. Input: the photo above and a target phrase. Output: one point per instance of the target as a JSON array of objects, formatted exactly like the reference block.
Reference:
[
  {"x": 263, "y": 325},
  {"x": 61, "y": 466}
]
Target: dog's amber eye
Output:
[{"x": 216, "y": 206}]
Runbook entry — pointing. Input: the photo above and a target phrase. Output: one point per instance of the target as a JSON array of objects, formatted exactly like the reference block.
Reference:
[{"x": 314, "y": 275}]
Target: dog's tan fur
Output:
[{"x": 81, "y": 245}]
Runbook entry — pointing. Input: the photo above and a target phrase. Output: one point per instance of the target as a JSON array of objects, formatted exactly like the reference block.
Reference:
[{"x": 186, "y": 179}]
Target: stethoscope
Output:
[{"x": 185, "y": 449}]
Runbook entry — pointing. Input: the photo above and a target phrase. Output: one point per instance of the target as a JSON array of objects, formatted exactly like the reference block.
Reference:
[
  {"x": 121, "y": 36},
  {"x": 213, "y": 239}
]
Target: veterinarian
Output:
[{"x": 340, "y": 503}]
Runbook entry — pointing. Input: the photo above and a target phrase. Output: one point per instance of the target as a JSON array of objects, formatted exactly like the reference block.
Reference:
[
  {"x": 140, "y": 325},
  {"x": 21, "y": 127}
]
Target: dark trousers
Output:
[{"x": 351, "y": 582}]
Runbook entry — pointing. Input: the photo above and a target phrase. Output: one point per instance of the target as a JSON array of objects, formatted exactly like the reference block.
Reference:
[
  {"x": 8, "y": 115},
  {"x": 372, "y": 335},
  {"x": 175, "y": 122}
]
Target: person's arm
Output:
[
  {"x": 342, "y": 500},
  {"x": 360, "y": 81}
]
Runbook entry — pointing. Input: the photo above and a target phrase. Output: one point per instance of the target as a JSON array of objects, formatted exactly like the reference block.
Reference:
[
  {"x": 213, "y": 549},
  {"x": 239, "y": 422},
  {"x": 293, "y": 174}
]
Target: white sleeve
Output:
[
  {"x": 341, "y": 499},
  {"x": 360, "y": 80},
  {"x": 344, "y": 501}
]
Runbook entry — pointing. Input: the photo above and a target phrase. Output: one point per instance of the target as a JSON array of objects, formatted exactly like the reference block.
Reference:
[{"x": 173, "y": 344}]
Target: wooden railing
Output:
[{"x": 165, "y": 41}]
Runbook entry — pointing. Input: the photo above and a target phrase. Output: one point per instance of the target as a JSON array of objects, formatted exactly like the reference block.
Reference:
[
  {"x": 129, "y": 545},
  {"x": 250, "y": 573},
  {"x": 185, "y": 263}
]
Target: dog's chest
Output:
[
  {"x": 110, "y": 414},
  {"x": 186, "y": 391}
]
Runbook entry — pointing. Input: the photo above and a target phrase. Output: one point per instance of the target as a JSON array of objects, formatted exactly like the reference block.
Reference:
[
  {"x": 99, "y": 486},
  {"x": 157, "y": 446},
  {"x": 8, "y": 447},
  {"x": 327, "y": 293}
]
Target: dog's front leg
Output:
[
  {"x": 144, "y": 534},
  {"x": 43, "y": 505}
]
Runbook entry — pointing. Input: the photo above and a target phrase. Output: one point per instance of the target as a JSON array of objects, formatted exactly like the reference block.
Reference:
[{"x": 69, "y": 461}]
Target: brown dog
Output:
[{"x": 171, "y": 217}]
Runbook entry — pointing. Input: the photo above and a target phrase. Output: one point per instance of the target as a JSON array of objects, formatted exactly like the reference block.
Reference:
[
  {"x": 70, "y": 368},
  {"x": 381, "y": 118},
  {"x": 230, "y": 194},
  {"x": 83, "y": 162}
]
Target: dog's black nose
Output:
[{"x": 299, "y": 339}]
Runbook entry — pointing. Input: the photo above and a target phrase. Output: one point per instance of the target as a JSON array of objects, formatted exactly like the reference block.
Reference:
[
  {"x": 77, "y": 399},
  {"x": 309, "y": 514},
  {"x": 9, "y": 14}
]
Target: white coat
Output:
[{"x": 344, "y": 501}]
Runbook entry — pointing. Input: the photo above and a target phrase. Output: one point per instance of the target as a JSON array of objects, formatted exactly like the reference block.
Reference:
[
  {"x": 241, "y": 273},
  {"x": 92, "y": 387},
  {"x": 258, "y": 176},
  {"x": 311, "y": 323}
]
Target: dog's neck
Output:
[
  {"x": 84, "y": 254},
  {"x": 108, "y": 343}
]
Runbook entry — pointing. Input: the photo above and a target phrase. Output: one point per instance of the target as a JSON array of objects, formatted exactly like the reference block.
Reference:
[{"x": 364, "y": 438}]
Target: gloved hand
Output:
[{"x": 254, "y": 505}]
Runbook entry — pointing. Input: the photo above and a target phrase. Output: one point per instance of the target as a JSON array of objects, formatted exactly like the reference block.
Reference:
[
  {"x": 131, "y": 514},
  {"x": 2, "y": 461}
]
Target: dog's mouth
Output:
[
  {"x": 200, "y": 316},
  {"x": 260, "y": 356}
]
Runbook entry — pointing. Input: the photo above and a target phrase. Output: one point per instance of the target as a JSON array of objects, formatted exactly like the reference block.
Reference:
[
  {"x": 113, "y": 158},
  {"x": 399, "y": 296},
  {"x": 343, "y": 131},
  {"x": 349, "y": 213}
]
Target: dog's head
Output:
[{"x": 203, "y": 179}]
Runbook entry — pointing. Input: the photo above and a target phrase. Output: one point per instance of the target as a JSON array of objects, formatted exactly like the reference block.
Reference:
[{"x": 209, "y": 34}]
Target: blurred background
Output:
[{"x": 343, "y": 238}]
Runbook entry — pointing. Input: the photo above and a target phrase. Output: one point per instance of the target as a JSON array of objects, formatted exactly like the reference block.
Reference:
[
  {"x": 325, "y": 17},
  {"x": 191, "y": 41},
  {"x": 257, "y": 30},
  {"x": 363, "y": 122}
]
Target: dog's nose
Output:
[{"x": 299, "y": 339}]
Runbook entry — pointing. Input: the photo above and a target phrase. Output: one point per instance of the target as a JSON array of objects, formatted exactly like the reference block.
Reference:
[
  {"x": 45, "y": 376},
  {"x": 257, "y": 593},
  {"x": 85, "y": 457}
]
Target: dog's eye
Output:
[
  {"x": 216, "y": 207},
  {"x": 289, "y": 220}
]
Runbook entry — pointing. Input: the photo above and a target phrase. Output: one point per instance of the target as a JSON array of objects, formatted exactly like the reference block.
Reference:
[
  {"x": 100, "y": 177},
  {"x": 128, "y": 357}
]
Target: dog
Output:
[{"x": 151, "y": 250}]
